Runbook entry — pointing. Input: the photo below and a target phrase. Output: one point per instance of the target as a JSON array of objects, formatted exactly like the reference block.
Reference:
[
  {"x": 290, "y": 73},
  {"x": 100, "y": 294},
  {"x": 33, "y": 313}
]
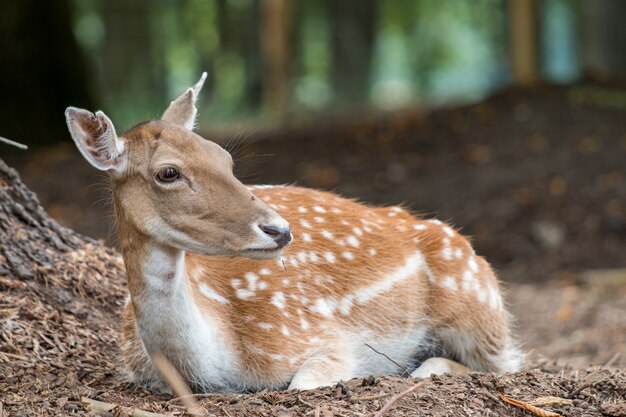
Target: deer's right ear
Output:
[{"x": 95, "y": 138}]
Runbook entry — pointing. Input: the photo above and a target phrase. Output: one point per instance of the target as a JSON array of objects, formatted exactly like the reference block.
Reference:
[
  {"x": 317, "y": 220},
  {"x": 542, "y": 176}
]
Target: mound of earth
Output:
[{"x": 62, "y": 295}]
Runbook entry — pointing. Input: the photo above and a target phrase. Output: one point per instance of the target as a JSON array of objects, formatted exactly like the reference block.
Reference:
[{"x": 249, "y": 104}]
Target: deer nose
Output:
[{"x": 281, "y": 235}]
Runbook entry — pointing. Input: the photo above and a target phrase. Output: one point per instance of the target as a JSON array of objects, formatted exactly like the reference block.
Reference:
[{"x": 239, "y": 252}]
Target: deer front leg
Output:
[
  {"x": 321, "y": 370},
  {"x": 438, "y": 366}
]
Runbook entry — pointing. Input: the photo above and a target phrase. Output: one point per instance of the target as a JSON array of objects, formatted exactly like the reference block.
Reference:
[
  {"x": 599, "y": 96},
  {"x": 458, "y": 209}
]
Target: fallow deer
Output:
[{"x": 267, "y": 287}]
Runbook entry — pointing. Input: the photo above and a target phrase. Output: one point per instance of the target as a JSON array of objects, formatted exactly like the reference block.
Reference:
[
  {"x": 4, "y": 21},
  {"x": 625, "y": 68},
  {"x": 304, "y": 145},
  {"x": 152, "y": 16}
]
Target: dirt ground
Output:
[{"x": 536, "y": 177}]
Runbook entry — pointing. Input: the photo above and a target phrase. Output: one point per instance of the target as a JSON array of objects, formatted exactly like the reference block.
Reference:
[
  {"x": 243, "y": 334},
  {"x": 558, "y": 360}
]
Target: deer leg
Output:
[
  {"x": 438, "y": 366},
  {"x": 319, "y": 371}
]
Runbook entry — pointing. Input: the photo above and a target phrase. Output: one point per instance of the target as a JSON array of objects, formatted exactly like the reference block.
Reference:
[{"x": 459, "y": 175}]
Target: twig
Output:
[
  {"x": 396, "y": 397},
  {"x": 613, "y": 359},
  {"x": 406, "y": 371},
  {"x": 528, "y": 407},
  {"x": 301, "y": 401},
  {"x": 14, "y": 143},
  {"x": 108, "y": 407},
  {"x": 584, "y": 386},
  {"x": 371, "y": 397},
  {"x": 178, "y": 385}
]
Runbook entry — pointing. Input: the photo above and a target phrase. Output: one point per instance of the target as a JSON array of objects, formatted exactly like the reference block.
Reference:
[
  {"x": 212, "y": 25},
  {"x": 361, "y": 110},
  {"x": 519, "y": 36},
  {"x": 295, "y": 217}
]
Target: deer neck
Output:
[{"x": 168, "y": 318}]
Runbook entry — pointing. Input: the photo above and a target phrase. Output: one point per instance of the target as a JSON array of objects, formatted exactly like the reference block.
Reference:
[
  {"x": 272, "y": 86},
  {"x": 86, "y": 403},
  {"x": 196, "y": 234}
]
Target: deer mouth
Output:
[{"x": 262, "y": 253}]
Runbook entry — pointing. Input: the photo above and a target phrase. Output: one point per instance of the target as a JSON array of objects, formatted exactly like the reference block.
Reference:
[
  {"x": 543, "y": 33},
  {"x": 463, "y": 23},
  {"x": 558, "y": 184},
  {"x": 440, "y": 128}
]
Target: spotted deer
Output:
[{"x": 267, "y": 287}]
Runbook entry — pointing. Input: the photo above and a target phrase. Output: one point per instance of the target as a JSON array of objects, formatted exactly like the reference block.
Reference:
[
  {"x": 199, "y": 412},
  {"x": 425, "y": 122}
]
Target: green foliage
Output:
[{"x": 422, "y": 51}]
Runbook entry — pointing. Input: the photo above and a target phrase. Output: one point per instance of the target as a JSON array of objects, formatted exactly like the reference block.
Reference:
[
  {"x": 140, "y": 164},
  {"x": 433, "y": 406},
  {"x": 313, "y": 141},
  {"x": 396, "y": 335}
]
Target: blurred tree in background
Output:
[{"x": 268, "y": 59}]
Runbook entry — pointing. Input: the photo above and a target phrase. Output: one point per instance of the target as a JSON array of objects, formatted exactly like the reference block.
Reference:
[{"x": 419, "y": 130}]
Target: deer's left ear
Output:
[
  {"x": 95, "y": 138},
  {"x": 182, "y": 111}
]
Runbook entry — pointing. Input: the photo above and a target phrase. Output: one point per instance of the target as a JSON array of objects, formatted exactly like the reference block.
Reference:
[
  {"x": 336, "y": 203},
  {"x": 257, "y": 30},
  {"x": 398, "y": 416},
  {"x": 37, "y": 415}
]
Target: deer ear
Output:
[
  {"x": 95, "y": 138},
  {"x": 182, "y": 111}
]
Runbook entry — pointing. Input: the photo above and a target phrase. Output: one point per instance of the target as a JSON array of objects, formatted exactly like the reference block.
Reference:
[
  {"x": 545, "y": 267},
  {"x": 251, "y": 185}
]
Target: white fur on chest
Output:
[{"x": 170, "y": 322}]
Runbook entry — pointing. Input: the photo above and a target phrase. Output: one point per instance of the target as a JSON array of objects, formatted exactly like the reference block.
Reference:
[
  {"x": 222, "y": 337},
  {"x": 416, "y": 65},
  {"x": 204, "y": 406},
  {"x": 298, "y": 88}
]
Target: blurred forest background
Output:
[
  {"x": 271, "y": 59},
  {"x": 504, "y": 116}
]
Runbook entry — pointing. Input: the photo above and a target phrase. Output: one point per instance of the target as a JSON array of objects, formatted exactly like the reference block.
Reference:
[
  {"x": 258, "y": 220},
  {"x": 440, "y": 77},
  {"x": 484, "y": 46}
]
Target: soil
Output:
[{"x": 535, "y": 176}]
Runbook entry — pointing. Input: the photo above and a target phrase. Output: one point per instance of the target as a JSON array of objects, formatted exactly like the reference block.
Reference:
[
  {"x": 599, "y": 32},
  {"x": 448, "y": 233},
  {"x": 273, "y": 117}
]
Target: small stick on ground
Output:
[
  {"x": 406, "y": 371},
  {"x": 301, "y": 401},
  {"x": 613, "y": 359},
  {"x": 13, "y": 143},
  {"x": 178, "y": 385},
  {"x": 371, "y": 397},
  {"x": 396, "y": 397},
  {"x": 528, "y": 407},
  {"x": 103, "y": 407}
]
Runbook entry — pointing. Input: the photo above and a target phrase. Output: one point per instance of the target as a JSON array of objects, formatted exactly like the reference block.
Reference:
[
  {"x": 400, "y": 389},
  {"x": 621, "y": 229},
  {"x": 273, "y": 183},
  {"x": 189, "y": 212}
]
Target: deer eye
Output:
[{"x": 167, "y": 174}]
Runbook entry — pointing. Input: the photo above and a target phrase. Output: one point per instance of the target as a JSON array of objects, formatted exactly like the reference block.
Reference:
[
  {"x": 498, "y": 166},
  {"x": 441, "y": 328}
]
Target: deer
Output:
[{"x": 245, "y": 288}]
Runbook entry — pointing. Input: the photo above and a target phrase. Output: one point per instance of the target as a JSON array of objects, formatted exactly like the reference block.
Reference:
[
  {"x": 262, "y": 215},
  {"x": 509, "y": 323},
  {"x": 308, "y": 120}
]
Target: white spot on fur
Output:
[
  {"x": 449, "y": 283},
  {"x": 324, "y": 307},
  {"x": 435, "y": 221},
  {"x": 330, "y": 257},
  {"x": 469, "y": 282},
  {"x": 348, "y": 255},
  {"x": 284, "y": 330},
  {"x": 372, "y": 252},
  {"x": 393, "y": 211},
  {"x": 302, "y": 209},
  {"x": 448, "y": 231},
  {"x": 266, "y": 326},
  {"x": 302, "y": 256},
  {"x": 495, "y": 301},
  {"x": 318, "y": 219},
  {"x": 335, "y": 210},
  {"x": 357, "y": 232},
  {"x": 263, "y": 285},
  {"x": 345, "y": 305},
  {"x": 235, "y": 283},
  {"x": 319, "y": 209},
  {"x": 458, "y": 253},
  {"x": 304, "y": 324},
  {"x": 252, "y": 279},
  {"x": 472, "y": 264},
  {"x": 244, "y": 294},
  {"x": 209, "y": 293},
  {"x": 446, "y": 253},
  {"x": 327, "y": 234},
  {"x": 305, "y": 224},
  {"x": 278, "y": 299},
  {"x": 306, "y": 238},
  {"x": 411, "y": 266},
  {"x": 353, "y": 241},
  {"x": 265, "y": 271}
]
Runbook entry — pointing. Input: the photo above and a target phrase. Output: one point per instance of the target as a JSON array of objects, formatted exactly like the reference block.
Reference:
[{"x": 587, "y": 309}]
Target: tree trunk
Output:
[
  {"x": 524, "y": 41},
  {"x": 61, "y": 302},
  {"x": 41, "y": 70},
  {"x": 35, "y": 247}
]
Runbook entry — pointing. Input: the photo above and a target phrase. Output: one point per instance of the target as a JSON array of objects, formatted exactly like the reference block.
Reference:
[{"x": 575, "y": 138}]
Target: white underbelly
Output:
[{"x": 401, "y": 349}]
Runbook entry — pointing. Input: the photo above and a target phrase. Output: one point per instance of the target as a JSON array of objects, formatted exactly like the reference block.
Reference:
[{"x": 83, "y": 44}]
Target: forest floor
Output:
[{"x": 536, "y": 177}]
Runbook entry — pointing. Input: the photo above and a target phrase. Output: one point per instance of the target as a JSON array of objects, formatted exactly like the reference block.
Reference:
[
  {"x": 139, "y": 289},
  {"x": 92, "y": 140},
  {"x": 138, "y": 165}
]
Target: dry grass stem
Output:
[
  {"x": 397, "y": 397},
  {"x": 13, "y": 143},
  {"x": 178, "y": 385},
  {"x": 529, "y": 407}
]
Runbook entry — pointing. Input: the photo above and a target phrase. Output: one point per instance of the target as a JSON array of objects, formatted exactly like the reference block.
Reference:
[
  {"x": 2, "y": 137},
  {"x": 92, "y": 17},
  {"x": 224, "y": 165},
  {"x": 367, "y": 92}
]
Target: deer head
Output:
[{"x": 177, "y": 188}]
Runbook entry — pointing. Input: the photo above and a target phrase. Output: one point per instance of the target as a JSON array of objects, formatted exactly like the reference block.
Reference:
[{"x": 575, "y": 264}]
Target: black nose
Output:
[{"x": 281, "y": 236}]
